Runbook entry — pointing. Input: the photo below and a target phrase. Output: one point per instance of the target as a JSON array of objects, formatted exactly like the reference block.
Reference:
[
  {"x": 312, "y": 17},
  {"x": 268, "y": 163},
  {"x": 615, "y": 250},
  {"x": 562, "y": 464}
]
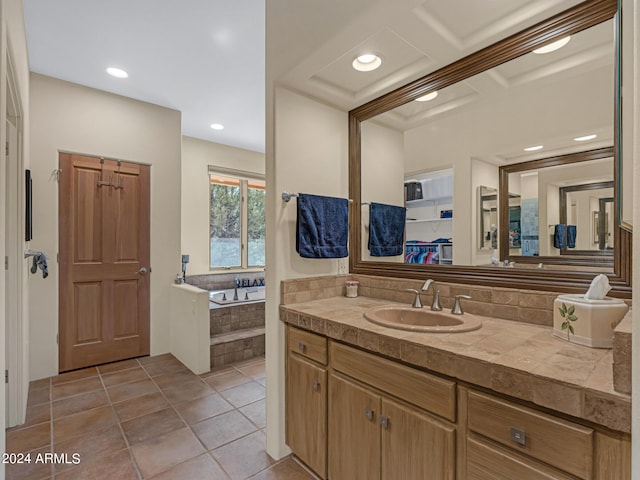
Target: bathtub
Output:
[{"x": 245, "y": 295}]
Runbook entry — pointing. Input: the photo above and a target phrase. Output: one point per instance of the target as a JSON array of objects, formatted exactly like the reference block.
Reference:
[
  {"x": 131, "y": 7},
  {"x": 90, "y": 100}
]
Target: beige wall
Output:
[
  {"x": 306, "y": 152},
  {"x": 13, "y": 45},
  {"x": 197, "y": 155},
  {"x": 382, "y": 176},
  {"x": 69, "y": 117}
]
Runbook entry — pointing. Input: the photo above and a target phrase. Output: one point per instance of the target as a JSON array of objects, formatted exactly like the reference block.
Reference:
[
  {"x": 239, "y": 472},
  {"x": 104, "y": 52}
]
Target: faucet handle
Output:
[
  {"x": 436, "y": 306},
  {"x": 417, "y": 303},
  {"x": 457, "y": 306}
]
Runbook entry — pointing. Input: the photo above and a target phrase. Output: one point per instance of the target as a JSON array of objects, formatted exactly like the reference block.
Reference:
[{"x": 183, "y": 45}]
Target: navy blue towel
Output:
[
  {"x": 386, "y": 230},
  {"x": 322, "y": 229},
  {"x": 560, "y": 236},
  {"x": 571, "y": 236}
]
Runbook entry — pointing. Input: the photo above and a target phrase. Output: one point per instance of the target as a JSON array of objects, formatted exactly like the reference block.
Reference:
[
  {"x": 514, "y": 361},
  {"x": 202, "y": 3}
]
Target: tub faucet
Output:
[{"x": 235, "y": 289}]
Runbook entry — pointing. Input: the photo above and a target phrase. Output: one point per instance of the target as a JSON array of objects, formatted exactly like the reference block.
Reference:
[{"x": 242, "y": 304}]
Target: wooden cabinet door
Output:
[
  {"x": 306, "y": 417},
  {"x": 354, "y": 433},
  {"x": 415, "y": 446}
]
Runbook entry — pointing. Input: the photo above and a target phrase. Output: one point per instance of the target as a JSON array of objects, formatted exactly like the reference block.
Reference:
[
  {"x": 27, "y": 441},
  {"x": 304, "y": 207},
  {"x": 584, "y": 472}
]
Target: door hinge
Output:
[
  {"x": 57, "y": 257},
  {"x": 6, "y": 263},
  {"x": 57, "y": 339},
  {"x": 6, "y": 376},
  {"x": 6, "y": 149}
]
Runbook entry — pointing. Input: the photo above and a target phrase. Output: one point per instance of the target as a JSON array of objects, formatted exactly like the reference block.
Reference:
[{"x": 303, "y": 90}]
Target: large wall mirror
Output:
[{"x": 483, "y": 152}]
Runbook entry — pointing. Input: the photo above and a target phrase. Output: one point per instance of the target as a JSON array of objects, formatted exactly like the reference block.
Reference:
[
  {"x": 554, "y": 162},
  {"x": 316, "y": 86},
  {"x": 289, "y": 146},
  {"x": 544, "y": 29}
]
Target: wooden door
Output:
[
  {"x": 104, "y": 261},
  {"x": 307, "y": 413},
  {"x": 415, "y": 445},
  {"x": 354, "y": 433}
]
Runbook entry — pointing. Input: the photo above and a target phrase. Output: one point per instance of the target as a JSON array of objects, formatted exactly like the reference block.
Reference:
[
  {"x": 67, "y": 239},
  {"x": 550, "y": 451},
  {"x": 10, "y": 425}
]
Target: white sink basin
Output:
[{"x": 422, "y": 319}]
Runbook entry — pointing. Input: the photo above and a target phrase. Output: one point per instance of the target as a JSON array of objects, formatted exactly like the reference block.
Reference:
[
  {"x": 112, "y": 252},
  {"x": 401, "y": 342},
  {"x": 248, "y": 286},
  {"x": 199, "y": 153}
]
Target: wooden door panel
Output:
[
  {"x": 104, "y": 242},
  {"x": 87, "y": 207},
  {"x": 415, "y": 445},
  {"x": 87, "y": 319},
  {"x": 127, "y": 220},
  {"x": 354, "y": 434},
  {"x": 126, "y": 305},
  {"x": 306, "y": 427}
]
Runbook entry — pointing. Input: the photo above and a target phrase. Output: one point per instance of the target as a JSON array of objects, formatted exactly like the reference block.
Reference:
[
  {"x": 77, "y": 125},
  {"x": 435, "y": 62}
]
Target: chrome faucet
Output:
[
  {"x": 457, "y": 306},
  {"x": 235, "y": 289},
  {"x": 417, "y": 301},
  {"x": 435, "y": 305}
]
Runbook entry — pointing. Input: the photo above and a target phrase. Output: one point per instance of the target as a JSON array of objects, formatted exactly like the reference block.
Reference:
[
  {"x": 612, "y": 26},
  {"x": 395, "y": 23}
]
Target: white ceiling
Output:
[
  {"x": 206, "y": 57},
  {"x": 202, "y": 57}
]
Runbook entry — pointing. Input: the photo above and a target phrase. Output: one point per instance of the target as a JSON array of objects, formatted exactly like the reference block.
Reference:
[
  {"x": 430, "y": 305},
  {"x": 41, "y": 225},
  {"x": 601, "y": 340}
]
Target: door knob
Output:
[{"x": 143, "y": 271}]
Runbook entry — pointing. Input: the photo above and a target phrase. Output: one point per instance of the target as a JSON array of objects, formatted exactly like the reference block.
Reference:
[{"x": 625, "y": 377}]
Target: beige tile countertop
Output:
[{"x": 518, "y": 359}]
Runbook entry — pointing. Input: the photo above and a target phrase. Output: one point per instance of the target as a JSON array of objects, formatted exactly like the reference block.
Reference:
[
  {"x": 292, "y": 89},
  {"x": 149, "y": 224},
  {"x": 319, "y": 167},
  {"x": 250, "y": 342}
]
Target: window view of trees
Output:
[
  {"x": 256, "y": 220},
  {"x": 234, "y": 223}
]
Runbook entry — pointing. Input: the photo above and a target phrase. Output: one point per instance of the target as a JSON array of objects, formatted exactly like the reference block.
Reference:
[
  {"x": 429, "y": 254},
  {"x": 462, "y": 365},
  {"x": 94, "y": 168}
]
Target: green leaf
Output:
[
  {"x": 573, "y": 318},
  {"x": 572, "y": 309},
  {"x": 564, "y": 325},
  {"x": 571, "y": 330},
  {"x": 563, "y": 309}
]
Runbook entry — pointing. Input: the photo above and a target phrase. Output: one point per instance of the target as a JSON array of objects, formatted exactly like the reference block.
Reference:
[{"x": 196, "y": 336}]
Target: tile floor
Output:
[{"x": 149, "y": 418}]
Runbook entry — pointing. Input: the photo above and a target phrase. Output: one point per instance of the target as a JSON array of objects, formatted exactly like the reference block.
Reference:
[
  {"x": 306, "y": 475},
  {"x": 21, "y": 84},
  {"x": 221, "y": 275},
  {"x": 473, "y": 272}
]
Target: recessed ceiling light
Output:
[
  {"x": 427, "y": 97},
  {"x": 533, "y": 149},
  {"x": 552, "y": 47},
  {"x": 117, "y": 72},
  {"x": 217, "y": 126},
  {"x": 585, "y": 138},
  {"x": 367, "y": 62}
]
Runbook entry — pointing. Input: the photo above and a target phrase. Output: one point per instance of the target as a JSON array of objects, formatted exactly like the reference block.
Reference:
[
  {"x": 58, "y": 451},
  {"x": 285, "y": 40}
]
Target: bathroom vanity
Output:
[{"x": 505, "y": 401}]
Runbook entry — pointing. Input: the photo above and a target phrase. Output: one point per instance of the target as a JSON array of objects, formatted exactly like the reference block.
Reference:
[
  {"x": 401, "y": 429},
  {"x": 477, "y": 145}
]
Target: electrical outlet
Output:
[{"x": 343, "y": 266}]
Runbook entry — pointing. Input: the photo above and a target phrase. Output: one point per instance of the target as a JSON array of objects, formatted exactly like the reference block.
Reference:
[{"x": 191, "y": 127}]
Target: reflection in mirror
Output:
[
  {"x": 487, "y": 218},
  {"x": 429, "y": 202},
  {"x": 481, "y": 113},
  {"x": 562, "y": 211},
  {"x": 470, "y": 129},
  {"x": 588, "y": 209}
]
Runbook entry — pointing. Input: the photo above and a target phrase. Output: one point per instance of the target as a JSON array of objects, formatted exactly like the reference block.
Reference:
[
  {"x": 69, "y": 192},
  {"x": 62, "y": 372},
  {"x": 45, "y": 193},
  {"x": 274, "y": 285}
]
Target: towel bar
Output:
[{"x": 286, "y": 196}]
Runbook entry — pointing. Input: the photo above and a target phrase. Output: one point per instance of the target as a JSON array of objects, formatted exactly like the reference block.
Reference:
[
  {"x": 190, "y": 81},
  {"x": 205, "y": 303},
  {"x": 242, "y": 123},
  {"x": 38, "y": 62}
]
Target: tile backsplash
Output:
[{"x": 529, "y": 306}]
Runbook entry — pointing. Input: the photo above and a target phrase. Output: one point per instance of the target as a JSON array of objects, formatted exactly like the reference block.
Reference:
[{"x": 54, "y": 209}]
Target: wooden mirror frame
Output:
[{"x": 571, "y": 21}]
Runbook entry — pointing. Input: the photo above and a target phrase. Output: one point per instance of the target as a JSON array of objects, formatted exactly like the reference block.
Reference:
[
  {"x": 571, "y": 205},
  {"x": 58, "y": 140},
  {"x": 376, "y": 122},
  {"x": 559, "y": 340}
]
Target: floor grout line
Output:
[{"x": 251, "y": 379}]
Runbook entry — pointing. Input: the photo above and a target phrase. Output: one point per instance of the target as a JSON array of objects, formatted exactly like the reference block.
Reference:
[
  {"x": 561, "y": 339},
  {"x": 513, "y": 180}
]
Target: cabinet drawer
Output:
[
  {"x": 426, "y": 391},
  {"x": 486, "y": 462},
  {"x": 308, "y": 345},
  {"x": 563, "y": 444}
]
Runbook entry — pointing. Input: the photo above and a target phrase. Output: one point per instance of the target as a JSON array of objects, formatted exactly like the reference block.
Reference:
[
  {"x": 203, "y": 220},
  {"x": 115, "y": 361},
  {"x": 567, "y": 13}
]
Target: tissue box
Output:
[{"x": 587, "y": 322}]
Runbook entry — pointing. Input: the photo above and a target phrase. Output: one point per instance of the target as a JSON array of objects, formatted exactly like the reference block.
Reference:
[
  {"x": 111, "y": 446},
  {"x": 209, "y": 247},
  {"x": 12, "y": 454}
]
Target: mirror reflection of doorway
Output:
[
  {"x": 588, "y": 207},
  {"x": 603, "y": 224}
]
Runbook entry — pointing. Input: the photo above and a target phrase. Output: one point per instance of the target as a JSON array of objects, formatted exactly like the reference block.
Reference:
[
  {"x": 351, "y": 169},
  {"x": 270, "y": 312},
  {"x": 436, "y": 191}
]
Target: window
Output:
[{"x": 236, "y": 219}]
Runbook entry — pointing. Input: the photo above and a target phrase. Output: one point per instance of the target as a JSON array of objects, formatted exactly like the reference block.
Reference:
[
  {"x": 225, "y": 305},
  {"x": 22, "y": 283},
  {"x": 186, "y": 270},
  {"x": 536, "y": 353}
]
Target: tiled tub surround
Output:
[
  {"x": 237, "y": 332},
  {"x": 517, "y": 358}
]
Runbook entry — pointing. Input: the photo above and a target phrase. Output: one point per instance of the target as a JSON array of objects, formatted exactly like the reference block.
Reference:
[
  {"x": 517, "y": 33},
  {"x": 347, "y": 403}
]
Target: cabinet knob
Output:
[
  {"x": 302, "y": 347},
  {"x": 518, "y": 435},
  {"x": 384, "y": 421},
  {"x": 315, "y": 386},
  {"x": 369, "y": 413}
]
